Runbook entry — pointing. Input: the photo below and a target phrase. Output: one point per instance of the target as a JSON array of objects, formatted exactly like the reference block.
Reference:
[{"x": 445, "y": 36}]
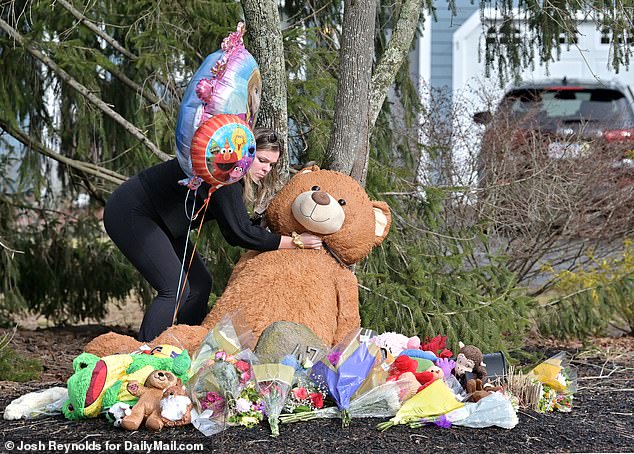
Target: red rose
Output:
[
  {"x": 243, "y": 366},
  {"x": 300, "y": 393},
  {"x": 317, "y": 400}
]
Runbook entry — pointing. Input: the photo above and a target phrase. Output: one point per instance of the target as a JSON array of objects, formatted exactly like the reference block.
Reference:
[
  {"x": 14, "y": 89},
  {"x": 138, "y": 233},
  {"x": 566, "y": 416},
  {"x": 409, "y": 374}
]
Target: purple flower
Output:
[
  {"x": 334, "y": 357},
  {"x": 259, "y": 406},
  {"x": 441, "y": 421}
]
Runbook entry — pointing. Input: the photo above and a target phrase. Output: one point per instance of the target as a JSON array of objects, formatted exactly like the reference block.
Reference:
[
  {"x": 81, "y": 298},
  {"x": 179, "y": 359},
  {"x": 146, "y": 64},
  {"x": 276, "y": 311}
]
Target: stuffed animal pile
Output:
[{"x": 99, "y": 383}]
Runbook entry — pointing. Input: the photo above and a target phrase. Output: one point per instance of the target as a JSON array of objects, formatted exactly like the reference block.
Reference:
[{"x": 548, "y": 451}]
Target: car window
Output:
[{"x": 566, "y": 103}]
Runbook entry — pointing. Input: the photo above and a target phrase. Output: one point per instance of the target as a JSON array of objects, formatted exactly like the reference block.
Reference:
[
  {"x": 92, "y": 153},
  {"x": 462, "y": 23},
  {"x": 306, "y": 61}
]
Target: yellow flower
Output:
[{"x": 249, "y": 421}]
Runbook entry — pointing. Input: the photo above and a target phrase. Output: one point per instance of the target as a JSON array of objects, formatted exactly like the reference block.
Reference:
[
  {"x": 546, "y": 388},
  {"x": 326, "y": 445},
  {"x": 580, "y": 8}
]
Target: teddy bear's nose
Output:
[{"x": 320, "y": 198}]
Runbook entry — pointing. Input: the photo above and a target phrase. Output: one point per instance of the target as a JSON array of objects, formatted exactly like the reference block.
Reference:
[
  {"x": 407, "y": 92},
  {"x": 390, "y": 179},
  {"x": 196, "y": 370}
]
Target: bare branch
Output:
[
  {"x": 10, "y": 250},
  {"x": 150, "y": 96},
  {"x": 96, "y": 30},
  {"x": 85, "y": 167}
]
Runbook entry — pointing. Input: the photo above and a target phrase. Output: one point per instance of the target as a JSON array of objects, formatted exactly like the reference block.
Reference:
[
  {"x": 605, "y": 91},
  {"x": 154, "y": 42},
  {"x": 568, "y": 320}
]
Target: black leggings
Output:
[{"x": 136, "y": 229}]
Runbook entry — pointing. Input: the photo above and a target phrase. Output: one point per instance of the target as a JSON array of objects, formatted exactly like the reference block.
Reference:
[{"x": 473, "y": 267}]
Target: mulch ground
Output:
[{"x": 601, "y": 420}]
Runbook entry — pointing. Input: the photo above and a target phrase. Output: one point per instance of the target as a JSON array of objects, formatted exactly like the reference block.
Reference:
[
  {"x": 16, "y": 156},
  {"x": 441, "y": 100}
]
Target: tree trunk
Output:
[
  {"x": 265, "y": 43},
  {"x": 394, "y": 56},
  {"x": 348, "y": 150}
]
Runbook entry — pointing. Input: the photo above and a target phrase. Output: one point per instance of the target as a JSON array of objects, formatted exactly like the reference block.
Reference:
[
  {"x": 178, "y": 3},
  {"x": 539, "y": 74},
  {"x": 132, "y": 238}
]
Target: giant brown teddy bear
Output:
[{"x": 312, "y": 287}]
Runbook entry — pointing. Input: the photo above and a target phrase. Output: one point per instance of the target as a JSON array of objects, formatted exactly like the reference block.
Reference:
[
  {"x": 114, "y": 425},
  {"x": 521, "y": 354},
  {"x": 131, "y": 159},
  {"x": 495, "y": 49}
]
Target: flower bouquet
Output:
[
  {"x": 306, "y": 395},
  {"x": 493, "y": 410},
  {"x": 559, "y": 382},
  {"x": 344, "y": 369},
  {"x": 383, "y": 401},
  {"x": 227, "y": 335},
  {"x": 273, "y": 383},
  {"x": 432, "y": 401},
  {"x": 248, "y": 409},
  {"x": 215, "y": 391}
]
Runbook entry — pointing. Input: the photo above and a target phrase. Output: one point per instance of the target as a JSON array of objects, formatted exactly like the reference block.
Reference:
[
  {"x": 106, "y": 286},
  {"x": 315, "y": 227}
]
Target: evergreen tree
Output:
[{"x": 97, "y": 87}]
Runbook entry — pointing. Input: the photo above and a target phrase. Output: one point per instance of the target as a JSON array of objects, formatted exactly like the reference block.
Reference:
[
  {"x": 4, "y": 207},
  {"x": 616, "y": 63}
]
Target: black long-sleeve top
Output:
[{"x": 225, "y": 206}]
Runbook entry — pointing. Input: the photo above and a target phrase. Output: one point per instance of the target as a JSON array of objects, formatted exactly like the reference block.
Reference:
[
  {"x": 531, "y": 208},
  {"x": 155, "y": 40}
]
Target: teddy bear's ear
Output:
[
  {"x": 312, "y": 168},
  {"x": 382, "y": 221}
]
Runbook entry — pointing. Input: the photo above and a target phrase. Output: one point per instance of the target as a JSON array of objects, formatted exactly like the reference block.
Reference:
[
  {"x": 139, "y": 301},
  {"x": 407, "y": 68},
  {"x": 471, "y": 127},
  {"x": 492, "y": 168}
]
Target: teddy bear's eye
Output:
[
  {"x": 70, "y": 408},
  {"x": 315, "y": 188},
  {"x": 83, "y": 365},
  {"x": 342, "y": 202}
]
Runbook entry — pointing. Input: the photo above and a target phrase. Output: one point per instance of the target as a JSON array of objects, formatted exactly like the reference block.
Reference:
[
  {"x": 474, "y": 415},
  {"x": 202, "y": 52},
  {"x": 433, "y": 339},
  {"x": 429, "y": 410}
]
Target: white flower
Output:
[{"x": 242, "y": 405}]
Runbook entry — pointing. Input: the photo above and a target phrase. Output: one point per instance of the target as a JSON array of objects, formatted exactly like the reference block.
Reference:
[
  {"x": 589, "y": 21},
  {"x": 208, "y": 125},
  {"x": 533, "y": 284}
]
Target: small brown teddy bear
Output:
[
  {"x": 148, "y": 408},
  {"x": 316, "y": 288},
  {"x": 477, "y": 391}
]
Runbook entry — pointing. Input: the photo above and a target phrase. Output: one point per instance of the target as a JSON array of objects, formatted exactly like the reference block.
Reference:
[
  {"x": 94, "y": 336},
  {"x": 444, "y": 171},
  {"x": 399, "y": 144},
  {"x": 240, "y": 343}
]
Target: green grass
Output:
[{"x": 14, "y": 367}]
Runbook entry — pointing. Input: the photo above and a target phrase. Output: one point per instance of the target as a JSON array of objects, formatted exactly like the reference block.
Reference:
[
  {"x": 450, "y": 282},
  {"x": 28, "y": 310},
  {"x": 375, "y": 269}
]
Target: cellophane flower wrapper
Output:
[
  {"x": 559, "y": 383},
  {"x": 305, "y": 395},
  {"x": 227, "y": 335},
  {"x": 432, "y": 401},
  {"x": 215, "y": 387},
  {"x": 382, "y": 401},
  {"x": 273, "y": 382},
  {"x": 493, "y": 410},
  {"x": 344, "y": 370}
]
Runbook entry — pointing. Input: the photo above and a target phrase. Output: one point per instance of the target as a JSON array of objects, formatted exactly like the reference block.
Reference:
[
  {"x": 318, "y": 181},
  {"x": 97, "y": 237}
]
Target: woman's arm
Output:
[{"x": 227, "y": 207}]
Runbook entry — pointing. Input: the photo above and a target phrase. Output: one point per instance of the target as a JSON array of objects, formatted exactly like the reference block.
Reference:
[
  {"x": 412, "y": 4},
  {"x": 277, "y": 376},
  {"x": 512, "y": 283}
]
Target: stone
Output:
[{"x": 284, "y": 338}]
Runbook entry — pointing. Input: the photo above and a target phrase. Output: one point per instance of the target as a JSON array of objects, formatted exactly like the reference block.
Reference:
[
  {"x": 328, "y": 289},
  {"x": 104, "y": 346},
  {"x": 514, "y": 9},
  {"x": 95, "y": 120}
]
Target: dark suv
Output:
[{"x": 559, "y": 120}]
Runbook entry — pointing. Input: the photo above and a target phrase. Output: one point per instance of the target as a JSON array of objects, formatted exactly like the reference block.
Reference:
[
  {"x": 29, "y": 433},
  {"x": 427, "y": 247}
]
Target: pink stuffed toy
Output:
[{"x": 395, "y": 343}]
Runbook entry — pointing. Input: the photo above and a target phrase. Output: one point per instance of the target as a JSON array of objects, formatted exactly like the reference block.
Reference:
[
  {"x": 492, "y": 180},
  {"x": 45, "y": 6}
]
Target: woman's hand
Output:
[
  {"x": 303, "y": 241},
  {"x": 310, "y": 241}
]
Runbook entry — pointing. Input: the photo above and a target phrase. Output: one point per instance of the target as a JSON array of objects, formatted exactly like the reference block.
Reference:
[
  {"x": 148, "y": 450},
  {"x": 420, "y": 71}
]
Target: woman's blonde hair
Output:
[{"x": 258, "y": 195}]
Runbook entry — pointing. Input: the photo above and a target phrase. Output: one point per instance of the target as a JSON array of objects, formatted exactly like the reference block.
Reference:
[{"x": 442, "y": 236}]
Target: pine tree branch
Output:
[
  {"x": 394, "y": 56},
  {"x": 64, "y": 76},
  {"x": 85, "y": 167},
  {"x": 150, "y": 96},
  {"x": 96, "y": 30}
]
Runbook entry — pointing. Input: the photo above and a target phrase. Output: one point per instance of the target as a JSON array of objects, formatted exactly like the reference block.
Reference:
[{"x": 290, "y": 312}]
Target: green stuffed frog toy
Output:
[{"x": 99, "y": 383}]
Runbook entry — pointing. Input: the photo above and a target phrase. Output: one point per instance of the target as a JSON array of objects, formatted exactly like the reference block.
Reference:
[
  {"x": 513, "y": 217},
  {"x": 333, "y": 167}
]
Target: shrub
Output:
[{"x": 595, "y": 295}]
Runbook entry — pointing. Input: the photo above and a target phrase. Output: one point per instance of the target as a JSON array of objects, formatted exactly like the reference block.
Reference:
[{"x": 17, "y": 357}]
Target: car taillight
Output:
[{"x": 619, "y": 135}]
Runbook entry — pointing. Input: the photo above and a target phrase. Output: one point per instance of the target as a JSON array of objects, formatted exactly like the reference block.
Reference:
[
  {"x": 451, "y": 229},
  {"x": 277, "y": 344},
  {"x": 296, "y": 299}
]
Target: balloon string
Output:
[
  {"x": 191, "y": 258},
  {"x": 189, "y": 228}
]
